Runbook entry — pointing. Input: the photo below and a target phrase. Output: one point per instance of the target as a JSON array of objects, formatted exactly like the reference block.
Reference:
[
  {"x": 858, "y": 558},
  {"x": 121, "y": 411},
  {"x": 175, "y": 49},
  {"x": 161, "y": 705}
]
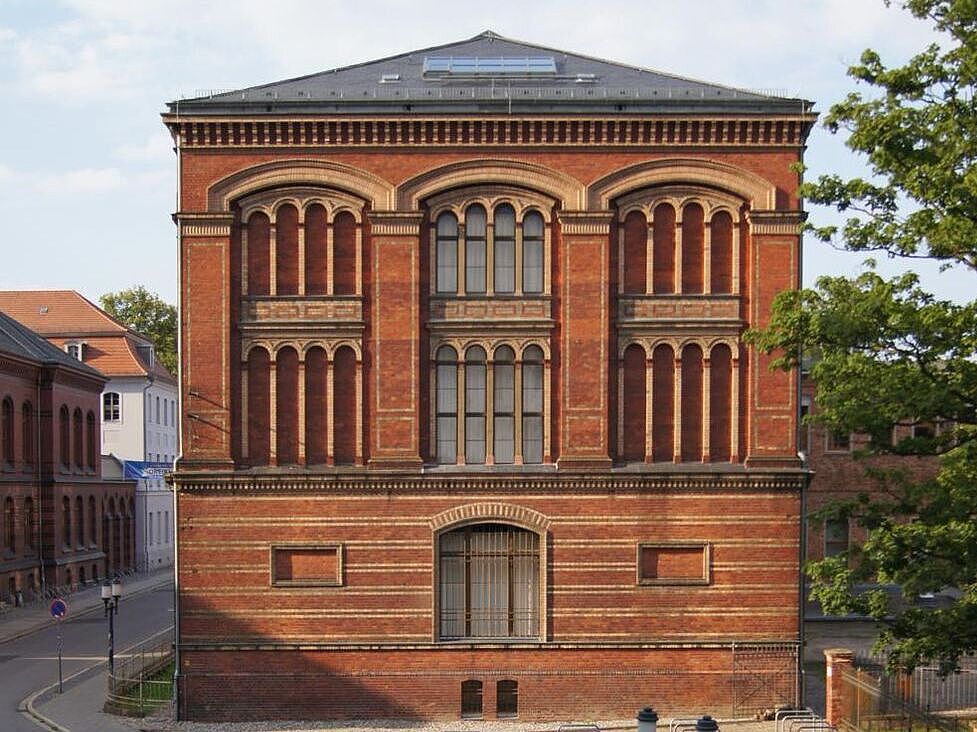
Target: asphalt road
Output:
[{"x": 30, "y": 663}]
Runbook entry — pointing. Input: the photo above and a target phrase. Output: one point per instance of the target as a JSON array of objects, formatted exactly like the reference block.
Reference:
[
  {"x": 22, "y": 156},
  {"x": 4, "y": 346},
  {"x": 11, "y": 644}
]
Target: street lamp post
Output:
[{"x": 111, "y": 592}]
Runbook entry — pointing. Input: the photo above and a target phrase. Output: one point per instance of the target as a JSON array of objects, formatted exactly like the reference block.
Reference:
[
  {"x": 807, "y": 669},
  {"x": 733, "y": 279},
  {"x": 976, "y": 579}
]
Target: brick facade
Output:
[
  {"x": 63, "y": 524},
  {"x": 402, "y": 329}
]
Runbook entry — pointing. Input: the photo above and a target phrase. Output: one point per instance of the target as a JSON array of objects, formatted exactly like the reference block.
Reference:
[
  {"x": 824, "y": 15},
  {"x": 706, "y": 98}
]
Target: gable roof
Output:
[
  {"x": 20, "y": 341},
  {"x": 401, "y": 83},
  {"x": 62, "y": 316}
]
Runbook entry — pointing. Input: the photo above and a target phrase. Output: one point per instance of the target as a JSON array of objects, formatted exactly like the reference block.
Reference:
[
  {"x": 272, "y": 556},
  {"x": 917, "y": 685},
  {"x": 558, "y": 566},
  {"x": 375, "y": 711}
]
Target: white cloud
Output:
[
  {"x": 156, "y": 148},
  {"x": 7, "y": 34},
  {"x": 83, "y": 181}
]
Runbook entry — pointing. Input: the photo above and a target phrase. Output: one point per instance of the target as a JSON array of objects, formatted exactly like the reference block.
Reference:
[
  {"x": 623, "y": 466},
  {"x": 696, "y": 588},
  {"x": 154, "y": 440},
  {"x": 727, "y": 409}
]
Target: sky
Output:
[{"x": 87, "y": 171}]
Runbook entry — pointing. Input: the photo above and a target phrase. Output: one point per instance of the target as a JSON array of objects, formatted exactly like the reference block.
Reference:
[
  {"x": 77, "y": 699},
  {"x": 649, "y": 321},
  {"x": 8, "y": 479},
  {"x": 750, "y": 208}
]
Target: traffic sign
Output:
[{"x": 59, "y": 609}]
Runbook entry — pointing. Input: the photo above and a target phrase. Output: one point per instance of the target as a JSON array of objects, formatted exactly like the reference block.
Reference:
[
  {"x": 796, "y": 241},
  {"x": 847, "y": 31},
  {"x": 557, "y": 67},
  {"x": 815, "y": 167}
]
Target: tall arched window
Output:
[
  {"x": 720, "y": 403},
  {"x": 489, "y": 582},
  {"x": 259, "y": 407},
  {"x": 316, "y": 256},
  {"x": 475, "y": 232},
  {"x": 533, "y": 253},
  {"x": 663, "y": 404},
  {"x": 287, "y": 250},
  {"x": 634, "y": 401},
  {"x": 635, "y": 253},
  {"x": 504, "y": 404},
  {"x": 693, "y": 229},
  {"x": 721, "y": 243},
  {"x": 692, "y": 404},
  {"x": 111, "y": 406},
  {"x": 27, "y": 434},
  {"x": 286, "y": 408},
  {"x": 532, "y": 405},
  {"x": 344, "y": 254},
  {"x": 344, "y": 405},
  {"x": 7, "y": 431},
  {"x": 447, "y": 253},
  {"x": 663, "y": 256},
  {"x": 446, "y": 404},
  {"x": 504, "y": 235},
  {"x": 475, "y": 405},
  {"x": 64, "y": 436},
  {"x": 79, "y": 520},
  {"x": 91, "y": 440},
  {"x": 78, "y": 438},
  {"x": 259, "y": 254},
  {"x": 316, "y": 407}
]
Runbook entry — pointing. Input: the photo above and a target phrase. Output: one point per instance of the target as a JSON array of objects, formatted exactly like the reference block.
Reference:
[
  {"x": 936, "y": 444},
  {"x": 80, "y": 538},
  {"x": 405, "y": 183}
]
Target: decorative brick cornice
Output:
[
  {"x": 346, "y": 483},
  {"x": 586, "y": 223},
  {"x": 203, "y": 224},
  {"x": 710, "y": 131},
  {"x": 395, "y": 224},
  {"x": 777, "y": 222}
]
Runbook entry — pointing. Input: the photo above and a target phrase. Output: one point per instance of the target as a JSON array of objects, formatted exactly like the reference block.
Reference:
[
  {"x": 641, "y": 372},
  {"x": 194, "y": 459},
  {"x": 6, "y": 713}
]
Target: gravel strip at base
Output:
[{"x": 163, "y": 722}]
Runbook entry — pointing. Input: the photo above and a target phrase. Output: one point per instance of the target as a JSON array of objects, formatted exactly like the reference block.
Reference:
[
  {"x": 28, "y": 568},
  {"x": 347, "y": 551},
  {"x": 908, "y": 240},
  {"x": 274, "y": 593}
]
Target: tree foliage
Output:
[
  {"x": 888, "y": 353},
  {"x": 148, "y": 314}
]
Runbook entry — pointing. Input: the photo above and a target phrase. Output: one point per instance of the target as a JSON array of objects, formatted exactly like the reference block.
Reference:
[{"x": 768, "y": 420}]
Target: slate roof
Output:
[
  {"x": 65, "y": 315},
  {"x": 18, "y": 340},
  {"x": 398, "y": 84}
]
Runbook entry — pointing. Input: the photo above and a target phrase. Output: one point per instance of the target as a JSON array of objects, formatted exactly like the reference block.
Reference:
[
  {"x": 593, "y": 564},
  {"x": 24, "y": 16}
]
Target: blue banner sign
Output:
[{"x": 137, "y": 469}]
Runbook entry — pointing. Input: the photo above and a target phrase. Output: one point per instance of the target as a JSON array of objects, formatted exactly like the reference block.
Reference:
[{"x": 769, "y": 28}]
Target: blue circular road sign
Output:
[{"x": 59, "y": 608}]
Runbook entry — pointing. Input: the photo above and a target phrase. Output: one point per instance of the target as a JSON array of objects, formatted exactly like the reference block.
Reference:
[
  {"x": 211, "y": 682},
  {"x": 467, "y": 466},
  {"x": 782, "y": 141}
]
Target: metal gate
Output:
[{"x": 765, "y": 677}]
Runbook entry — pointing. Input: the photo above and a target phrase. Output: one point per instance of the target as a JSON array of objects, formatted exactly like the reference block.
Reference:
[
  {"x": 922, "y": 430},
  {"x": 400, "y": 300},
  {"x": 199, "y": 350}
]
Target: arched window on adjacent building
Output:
[
  {"x": 10, "y": 525},
  {"x": 66, "y": 520},
  {"x": 27, "y": 434},
  {"x": 92, "y": 522},
  {"x": 91, "y": 441},
  {"x": 29, "y": 521},
  {"x": 64, "y": 437},
  {"x": 78, "y": 438},
  {"x": 286, "y": 409},
  {"x": 489, "y": 578},
  {"x": 79, "y": 521},
  {"x": 7, "y": 432}
]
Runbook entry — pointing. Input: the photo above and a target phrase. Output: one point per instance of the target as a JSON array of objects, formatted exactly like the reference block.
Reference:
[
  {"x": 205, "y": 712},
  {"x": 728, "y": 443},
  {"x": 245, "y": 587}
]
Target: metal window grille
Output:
[
  {"x": 471, "y": 699},
  {"x": 507, "y": 698},
  {"x": 489, "y": 584}
]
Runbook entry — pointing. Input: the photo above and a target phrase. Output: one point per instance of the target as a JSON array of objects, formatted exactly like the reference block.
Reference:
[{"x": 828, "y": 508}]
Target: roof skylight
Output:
[{"x": 489, "y": 65}]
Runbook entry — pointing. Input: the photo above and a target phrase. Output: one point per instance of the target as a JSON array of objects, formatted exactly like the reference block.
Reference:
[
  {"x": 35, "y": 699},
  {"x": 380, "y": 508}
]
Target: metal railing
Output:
[
  {"x": 926, "y": 688},
  {"x": 872, "y": 704},
  {"x": 143, "y": 678}
]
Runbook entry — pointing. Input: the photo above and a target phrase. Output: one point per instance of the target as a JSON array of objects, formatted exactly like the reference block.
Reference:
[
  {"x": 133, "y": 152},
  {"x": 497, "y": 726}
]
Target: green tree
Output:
[
  {"x": 146, "y": 313},
  {"x": 887, "y": 352}
]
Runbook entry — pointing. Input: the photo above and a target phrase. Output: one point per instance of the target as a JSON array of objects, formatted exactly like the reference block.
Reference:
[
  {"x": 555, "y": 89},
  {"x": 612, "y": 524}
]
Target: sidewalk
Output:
[
  {"x": 79, "y": 708},
  {"x": 21, "y": 621}
]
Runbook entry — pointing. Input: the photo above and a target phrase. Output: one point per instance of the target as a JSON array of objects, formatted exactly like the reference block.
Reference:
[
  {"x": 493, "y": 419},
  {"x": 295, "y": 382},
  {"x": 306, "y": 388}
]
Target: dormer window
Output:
[
  {"x": 76, "y": 350},
  {"x": 147, "y": 354}
]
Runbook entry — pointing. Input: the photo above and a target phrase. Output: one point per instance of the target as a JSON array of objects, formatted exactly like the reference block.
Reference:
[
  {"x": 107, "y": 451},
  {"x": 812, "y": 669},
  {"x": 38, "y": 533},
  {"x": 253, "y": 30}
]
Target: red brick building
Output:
[
  {"x": 62, "y": 523},
  {"x": 469, "y": 428}
]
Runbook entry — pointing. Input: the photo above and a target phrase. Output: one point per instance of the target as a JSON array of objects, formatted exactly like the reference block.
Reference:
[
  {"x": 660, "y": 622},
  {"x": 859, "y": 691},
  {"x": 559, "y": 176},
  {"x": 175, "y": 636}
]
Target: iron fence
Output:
[{"x": 143, "y": 679}]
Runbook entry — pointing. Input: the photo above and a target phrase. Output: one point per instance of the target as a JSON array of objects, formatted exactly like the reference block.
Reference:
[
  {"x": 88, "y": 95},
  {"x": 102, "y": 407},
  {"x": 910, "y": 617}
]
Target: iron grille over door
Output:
[{"x": 489, "y": 582}]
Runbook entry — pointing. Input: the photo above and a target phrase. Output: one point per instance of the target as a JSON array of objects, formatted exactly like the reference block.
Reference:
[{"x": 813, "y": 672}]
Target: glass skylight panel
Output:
[{"x": 490, "y": 65}]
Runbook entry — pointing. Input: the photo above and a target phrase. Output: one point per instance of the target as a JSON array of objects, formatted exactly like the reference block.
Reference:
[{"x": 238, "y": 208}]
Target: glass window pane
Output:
[
  {"x": 505, "y": 398},
  {"x": 475, "y": 227},
  {"x": 447, "y": 397},
  {"x": 447, "y": 265},
  {"x": 475, "y": 439},
  {"x": 532, "y": 265},
  {"x": 447, "y": 440},
  {"x": 532, "y": 387},
  {"x": 532, "y": 439},
  {"x": 505, "y": 439},
  {"x": 505, "y": 265}
]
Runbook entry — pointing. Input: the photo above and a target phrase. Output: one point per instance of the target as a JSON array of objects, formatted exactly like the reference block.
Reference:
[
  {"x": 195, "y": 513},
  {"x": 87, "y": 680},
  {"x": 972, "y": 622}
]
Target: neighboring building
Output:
[
  {"x": 470, "y": 429},
  {"x": 154, "y": 506},
  {"x": 63, "y": 522},
  {"x": 139, "y": 402}
]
